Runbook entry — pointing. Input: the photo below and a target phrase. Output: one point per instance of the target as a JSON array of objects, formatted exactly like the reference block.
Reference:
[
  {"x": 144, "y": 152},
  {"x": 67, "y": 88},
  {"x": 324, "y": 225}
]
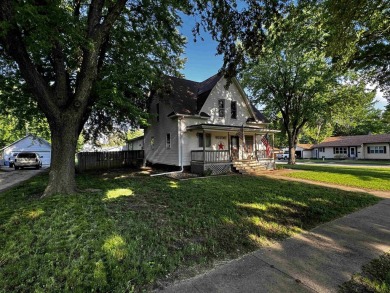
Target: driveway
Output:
[{"x": 10, "y": 177}]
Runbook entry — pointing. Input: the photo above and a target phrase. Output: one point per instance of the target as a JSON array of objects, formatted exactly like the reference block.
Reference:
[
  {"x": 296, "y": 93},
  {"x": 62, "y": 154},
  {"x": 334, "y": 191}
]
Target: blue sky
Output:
[{"x": 202, "y": 61}]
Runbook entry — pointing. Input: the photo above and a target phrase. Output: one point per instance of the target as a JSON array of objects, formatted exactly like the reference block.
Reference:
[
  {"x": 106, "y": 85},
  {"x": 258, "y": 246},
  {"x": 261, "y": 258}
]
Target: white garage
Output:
[{"x": 29, "y": 143}]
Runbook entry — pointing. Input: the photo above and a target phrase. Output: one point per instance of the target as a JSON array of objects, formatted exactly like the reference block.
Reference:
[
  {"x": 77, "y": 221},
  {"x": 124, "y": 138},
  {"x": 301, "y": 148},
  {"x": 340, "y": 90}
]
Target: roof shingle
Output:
[
  {"x": 356, "y": 140},
  {"x": 188, "y": 97}
]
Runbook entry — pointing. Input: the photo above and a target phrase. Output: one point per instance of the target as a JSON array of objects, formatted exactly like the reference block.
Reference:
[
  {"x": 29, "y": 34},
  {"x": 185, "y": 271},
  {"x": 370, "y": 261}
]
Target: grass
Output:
[
  {"x": 345, "y": 162},
  {"x": 375, "y": 277},
  {"x": 362, "y": 177},
  {"x": 138, "y": 231}
]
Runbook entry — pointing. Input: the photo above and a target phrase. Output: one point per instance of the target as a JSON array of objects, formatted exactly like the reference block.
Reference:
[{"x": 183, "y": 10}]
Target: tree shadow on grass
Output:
[{"x": 138, "y": 229}]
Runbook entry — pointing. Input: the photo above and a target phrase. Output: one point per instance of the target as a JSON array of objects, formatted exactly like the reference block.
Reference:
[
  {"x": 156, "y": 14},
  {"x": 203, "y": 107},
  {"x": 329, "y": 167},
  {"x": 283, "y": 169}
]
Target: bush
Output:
[{"x": 341, "y": 157}]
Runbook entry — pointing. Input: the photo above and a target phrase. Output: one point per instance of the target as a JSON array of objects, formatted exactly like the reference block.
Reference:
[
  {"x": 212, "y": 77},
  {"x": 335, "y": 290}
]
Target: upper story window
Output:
[
  {"x": 233, "y": 110},
  {"x": 168, "y": 141},
  {"x": 157, "y": 112},
  {"x": 221, "y": 108}
]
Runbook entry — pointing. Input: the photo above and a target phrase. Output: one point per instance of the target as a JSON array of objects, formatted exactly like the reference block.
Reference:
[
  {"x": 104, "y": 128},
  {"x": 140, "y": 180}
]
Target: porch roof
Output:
[{"x": 230, "y": 128}]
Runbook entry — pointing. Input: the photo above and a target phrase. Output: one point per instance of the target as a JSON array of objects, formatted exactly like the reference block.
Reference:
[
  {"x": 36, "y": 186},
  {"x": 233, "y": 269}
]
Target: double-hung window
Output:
[
  {"x": 168, "y": 141},
  {"x": 376, "y": 149},
  {"x": 200, "y": 140},
  {"x": 340, "y": 150},
  {"x": 233, "y": 110},
  {"x": 221, "y": 108}
]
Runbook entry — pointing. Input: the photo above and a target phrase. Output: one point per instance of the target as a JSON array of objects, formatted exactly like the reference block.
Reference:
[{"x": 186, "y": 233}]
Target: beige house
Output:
[
  {"x": 206, "y": 126},
  {"x": 304, "y": 150},
  {"x": 372, "y": 147}
]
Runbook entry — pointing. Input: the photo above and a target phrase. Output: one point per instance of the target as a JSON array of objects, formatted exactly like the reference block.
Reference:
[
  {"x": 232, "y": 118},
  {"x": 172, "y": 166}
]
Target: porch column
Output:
[
  {"x": 255, "y": 140},
  {"x": 204, "y": 147},
  {"x": 229, "y": 156},
  {"x": 243, "y": 143},
  {"x": 273, "y": 145}
]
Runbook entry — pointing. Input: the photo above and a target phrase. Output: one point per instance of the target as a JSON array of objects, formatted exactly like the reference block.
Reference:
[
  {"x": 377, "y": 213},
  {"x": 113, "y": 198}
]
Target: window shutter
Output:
[
  {"x": 384, "y": 149},
  {"x": 368, "y": 149}
]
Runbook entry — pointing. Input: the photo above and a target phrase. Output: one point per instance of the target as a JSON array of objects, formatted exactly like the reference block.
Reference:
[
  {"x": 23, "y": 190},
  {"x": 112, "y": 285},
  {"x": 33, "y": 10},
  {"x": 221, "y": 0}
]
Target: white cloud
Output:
[{"x": 380, "y": 100}]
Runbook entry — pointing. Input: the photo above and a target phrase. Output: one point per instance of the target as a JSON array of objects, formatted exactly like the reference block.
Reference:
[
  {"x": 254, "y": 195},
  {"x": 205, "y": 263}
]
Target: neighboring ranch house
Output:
[
  {"x": 372, "y": 147},
  {"x": 206, "y": 126},
  {"x": 304, "y": 151},
  {"x": 29, "y": 143}
]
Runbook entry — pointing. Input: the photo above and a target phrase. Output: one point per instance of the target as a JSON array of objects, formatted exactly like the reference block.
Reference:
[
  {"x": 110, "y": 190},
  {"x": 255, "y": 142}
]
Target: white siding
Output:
[
  {"x": 159, "y": 154},
  {"x": 306, "y": 154},
  {"x": 136, "y": 145},
  {"x": 28, "y": 144},
  {"x": 328, "y": 154},
  {"x": 232, "y": 94},
  {"x": 376, "y": 156},
  {"x": 158, "y": 130},
  {"x": 191, "y": 143}
]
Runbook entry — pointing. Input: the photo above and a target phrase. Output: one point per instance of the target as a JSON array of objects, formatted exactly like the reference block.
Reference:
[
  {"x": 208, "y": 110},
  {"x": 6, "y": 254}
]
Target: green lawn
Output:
[
  {"x": 362, "y": 177},
  {"x": 138, "y": 231},
  {"x": 345, "y": 162}
]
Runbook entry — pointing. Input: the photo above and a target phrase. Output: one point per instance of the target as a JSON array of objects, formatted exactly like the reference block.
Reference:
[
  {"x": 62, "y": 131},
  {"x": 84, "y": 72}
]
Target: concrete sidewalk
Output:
[{"x": 316, "y": 261}]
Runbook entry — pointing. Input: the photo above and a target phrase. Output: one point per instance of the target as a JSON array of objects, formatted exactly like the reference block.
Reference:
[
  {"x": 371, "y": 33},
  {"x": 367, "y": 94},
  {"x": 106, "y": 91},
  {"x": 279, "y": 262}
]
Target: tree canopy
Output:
[
  {"x": 359, "y": 37},
  {"x": 292, "y": 76},
  {"x": 93, "y": 61}
]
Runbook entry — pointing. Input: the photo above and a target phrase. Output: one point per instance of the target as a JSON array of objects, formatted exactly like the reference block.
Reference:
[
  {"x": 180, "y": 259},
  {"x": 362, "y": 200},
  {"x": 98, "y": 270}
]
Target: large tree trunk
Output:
[
  {"x": 292, "y": 142},
  {"x": 64, "y": 137}
]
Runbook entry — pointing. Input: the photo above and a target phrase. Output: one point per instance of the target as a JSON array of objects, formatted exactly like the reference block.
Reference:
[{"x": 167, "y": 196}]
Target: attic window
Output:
[
  {"x": 233, "y": 110},
  {"x": 221, "y": 108}
]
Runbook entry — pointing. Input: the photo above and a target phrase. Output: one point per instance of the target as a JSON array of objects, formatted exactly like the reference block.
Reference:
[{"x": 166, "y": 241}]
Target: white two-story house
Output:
[{"x": 206, "y": 126}]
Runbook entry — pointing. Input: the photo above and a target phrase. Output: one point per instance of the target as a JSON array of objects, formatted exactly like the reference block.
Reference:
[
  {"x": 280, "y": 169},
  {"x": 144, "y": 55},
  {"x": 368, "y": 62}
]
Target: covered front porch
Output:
[{"x": 220, "y": 147}]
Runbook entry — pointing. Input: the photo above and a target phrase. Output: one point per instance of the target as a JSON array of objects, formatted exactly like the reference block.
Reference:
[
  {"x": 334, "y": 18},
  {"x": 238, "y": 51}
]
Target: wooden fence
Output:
[{"x": 108, "y": 160}]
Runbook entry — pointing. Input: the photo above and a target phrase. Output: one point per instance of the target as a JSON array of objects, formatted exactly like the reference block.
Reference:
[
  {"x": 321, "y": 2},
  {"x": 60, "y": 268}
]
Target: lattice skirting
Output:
[{"x": 211, "y": 168}]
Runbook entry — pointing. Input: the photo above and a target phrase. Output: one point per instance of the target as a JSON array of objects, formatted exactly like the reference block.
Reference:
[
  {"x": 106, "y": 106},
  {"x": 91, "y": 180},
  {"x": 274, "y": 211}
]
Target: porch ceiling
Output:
[{"x": 230, "y": 128}]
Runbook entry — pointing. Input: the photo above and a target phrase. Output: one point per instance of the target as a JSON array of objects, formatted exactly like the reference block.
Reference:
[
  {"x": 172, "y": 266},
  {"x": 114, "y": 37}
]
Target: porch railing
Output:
[
  {"x": 262, "y": 154},
  {"x": 210, "y": 156}
]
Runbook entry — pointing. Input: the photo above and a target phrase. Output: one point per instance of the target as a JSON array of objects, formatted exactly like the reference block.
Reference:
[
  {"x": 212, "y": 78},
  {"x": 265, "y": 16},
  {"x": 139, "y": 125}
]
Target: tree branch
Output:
[
  {"x": 97, "y": 33},
  {"x": 61, "y": 83},
  {"x": 14, "y": 46}
]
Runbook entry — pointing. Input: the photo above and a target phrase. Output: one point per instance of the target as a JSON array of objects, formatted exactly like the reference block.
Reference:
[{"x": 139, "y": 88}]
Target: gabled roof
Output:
[
  {"x": 305, "y": 146},
  {"x": 187, "y": 97},
  {"x": 41, "y": 140},
  {"x": 356, "y": 140}
]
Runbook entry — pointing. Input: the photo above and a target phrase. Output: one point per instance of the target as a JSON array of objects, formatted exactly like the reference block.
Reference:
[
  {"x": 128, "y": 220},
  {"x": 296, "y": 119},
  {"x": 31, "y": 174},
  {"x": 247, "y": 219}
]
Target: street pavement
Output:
[{"x": 9, "y": 177}]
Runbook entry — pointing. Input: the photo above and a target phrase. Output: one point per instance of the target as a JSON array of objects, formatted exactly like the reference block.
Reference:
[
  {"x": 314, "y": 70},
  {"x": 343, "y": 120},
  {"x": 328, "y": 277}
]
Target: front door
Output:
[
  {"x": 249, "y": 146},
  {"x": 352, "y": 152},
  {"x": 235, "y": 147}
]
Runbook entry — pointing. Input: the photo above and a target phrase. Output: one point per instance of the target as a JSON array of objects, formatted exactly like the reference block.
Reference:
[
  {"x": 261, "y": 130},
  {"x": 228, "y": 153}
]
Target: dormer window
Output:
[
  {"x": 221, "y": 108},
  {"x": 233, "y": 110}
]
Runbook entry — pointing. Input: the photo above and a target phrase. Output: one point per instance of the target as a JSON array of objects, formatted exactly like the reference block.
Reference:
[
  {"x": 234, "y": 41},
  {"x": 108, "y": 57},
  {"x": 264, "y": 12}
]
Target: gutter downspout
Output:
[{"x": 180, "y": 153}]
